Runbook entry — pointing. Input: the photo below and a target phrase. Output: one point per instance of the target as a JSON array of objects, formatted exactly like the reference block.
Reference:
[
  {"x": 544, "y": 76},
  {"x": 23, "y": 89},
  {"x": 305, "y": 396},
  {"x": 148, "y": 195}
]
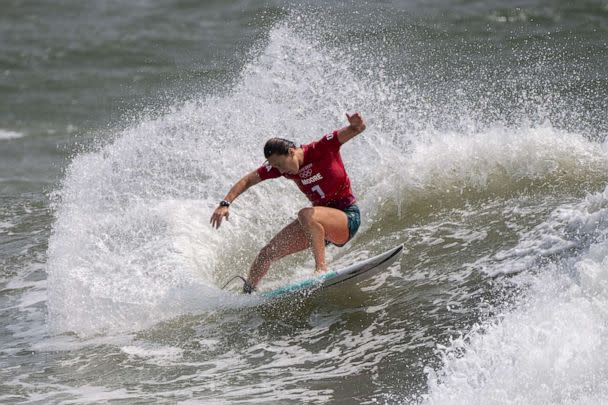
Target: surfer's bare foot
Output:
[
  {"x": 320, "y": 270},
  {"x": 248, "y": 288}
]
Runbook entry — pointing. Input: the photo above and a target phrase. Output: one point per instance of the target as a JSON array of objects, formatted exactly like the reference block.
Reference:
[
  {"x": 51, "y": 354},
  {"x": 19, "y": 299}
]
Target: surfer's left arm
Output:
[{"x": 355, "y": 127}]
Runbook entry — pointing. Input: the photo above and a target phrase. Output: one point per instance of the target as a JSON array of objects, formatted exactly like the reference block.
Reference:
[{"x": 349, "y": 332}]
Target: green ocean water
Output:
[{"x": 122, "y": 125}]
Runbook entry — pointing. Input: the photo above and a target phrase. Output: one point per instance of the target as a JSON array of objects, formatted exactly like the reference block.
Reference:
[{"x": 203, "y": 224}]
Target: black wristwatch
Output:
[{"x": 224, "y": 203}]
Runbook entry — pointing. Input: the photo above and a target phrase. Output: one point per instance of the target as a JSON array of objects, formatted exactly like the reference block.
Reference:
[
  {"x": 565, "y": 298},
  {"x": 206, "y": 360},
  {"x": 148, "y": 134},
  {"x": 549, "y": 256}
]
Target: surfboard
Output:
[{"x": 355, "y": 272}]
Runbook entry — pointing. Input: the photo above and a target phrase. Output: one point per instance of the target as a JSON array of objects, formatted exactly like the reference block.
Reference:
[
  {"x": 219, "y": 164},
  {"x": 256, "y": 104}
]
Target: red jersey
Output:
[{"x": 322, "y": 177}]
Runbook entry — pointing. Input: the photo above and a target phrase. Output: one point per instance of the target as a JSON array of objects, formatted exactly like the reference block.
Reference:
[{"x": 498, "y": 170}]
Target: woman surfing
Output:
[{"x": 319, "y": 173}]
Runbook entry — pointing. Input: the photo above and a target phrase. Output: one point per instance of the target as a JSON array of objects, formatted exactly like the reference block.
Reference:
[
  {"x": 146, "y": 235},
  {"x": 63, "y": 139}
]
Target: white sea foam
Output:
[
  {"x": 6, "y": 134},
  {"x": 6, "y": 225},
  {"x": 154, "y": 355},
  {"x": 570, "y": 227},
  {"x": 549, "y": 348}
]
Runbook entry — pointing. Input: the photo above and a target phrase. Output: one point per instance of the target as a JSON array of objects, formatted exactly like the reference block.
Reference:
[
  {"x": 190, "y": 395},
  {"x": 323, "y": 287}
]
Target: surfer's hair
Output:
[{"x": 277, "y": 146}]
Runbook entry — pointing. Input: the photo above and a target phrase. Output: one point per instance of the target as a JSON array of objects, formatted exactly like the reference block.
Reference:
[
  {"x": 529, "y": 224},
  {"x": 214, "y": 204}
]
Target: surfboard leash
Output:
[
  {"x": 232, "y": 279},
  {"x": 247, "y": 288}
]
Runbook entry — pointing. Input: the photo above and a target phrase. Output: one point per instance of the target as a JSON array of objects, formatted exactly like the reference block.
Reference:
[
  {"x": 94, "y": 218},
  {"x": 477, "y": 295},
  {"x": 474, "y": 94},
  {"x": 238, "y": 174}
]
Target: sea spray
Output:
[{"x": 132, "y": 225}]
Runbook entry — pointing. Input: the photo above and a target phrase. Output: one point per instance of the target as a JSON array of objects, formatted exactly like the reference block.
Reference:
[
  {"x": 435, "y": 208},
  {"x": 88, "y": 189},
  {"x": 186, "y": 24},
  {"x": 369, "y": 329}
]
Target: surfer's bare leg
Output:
[
  {"x": 290, "y": 239},
  {"x": 321, "y": 224},
  {"x": 313, "y": 227}
]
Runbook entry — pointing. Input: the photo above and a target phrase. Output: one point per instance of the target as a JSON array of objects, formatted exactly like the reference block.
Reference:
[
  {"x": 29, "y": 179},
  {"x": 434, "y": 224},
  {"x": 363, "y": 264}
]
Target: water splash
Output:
[{"x": 131, "y": 244}]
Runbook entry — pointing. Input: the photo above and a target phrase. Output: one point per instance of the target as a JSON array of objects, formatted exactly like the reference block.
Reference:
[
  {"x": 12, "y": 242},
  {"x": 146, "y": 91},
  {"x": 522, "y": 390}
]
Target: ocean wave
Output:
[
  {"x": 132, "y": 230},
  {"x": 547, "y": 347}
]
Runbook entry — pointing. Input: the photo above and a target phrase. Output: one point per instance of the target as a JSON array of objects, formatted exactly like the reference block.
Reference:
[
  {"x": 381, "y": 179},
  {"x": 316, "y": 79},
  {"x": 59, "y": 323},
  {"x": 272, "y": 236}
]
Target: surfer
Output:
[{"x": 318, "y": 171}]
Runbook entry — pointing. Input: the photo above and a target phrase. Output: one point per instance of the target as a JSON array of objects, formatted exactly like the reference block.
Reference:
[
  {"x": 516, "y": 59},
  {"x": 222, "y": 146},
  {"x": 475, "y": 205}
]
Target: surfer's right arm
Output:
[{"x": 243, "y": 184}]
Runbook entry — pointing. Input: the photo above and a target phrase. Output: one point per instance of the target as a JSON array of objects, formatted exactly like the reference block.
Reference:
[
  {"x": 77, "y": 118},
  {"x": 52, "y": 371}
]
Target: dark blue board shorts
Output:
[{"x": 354, "y": 220}]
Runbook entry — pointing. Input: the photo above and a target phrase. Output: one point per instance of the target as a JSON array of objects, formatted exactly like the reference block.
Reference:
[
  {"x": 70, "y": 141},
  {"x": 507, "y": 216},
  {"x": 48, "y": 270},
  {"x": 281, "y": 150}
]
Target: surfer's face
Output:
[{"x": 285, "y": 163}]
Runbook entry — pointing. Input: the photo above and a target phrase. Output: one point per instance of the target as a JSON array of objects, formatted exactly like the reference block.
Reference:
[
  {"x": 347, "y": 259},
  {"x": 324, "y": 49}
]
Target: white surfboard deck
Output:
[{"x": 355, "y": 272}]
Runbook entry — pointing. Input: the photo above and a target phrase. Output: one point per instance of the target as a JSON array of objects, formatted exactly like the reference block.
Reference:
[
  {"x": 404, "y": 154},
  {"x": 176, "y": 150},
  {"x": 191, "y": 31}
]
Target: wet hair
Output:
[{"x": 277, "y": 146}]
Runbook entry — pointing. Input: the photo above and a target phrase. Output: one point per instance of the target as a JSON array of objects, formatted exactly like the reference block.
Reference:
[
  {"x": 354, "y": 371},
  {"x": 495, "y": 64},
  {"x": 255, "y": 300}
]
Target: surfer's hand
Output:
[
  {"x": 356, "y": 122},
  {"x": 218, "y": 215}
]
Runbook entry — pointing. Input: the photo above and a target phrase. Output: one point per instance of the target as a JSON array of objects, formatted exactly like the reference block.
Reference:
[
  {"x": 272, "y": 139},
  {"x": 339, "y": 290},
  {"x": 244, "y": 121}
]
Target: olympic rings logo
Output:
[{"x": 306, "y": 173}]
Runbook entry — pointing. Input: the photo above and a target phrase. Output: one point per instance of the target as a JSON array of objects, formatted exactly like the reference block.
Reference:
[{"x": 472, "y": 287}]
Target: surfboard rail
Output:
[{"x": 367, "y": 268}]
